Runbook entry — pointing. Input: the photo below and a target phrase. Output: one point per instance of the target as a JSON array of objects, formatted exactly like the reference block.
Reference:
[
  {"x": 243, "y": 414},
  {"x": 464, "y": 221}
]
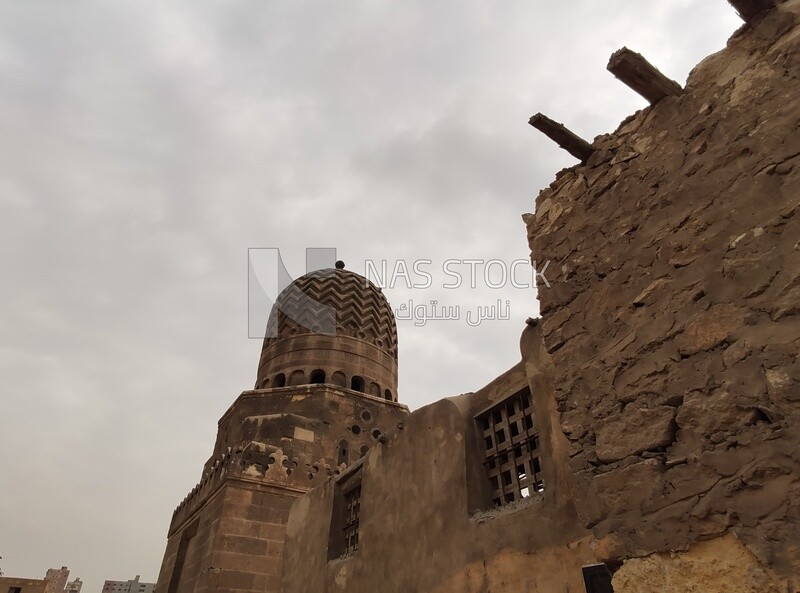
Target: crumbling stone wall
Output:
[{"x": 673, "y": 319}]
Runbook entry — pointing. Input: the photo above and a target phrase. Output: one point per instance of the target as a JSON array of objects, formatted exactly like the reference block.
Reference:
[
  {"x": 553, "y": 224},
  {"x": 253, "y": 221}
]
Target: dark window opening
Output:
[
  {"x": 510, "y": 408},
  {"x": 15, "y": 590},
  {"x": 317, "y": 376},
  {"x": 512, "y": 461},
  {"x": 597, "y": 579},
  {"x": 343, "y": 455},
  {"x": 387, "y": 394},
  {"x": 357, "y": 383},
  {"x": 279, "y": 380}
]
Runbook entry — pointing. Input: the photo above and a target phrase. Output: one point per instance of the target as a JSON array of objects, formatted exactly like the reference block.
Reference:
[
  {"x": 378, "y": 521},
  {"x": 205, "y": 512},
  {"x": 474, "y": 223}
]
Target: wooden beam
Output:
[
  {"x": 639, "y": 74},
  {"x": 569, "y": 141},
  {"x": 747, "y": 9}
]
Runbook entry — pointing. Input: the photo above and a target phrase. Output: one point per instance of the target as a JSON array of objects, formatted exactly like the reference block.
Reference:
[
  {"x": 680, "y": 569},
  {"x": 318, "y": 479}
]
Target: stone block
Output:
[
  {"x": 710, "y": 328},
  {"x": 627, "y": 489},
  {"x": 634, "y": 430},
  {"x": 234, "y": 579},
  {"x": 244, "y": 545},
  {"x": 707, "y": 414}
]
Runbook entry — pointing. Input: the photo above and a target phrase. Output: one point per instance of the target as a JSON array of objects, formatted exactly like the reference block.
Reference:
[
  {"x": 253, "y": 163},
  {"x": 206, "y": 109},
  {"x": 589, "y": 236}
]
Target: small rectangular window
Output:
[
  {"x": 344, "y": 536},
  {"x": 512, "y": 463}
]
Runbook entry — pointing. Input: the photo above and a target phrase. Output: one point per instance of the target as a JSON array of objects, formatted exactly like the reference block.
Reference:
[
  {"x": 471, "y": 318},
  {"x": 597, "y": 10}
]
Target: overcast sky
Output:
[{"x": 146, "y": 146}]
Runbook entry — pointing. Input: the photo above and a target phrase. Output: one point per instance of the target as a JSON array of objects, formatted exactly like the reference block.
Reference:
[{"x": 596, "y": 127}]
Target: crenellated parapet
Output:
[{"x": 260, "y": 462}]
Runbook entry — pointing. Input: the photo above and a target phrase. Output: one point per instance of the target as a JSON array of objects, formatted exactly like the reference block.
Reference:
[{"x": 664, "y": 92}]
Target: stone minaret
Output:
[{"x": 326, "y": 391}]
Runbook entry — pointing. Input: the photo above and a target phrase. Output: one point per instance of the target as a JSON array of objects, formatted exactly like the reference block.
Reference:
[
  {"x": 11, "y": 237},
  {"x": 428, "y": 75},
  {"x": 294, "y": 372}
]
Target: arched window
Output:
[
  {"x": 343, "y": 454},
  {"x": 317, "y": 376},
  {"x": 279, "y": 380},
  {"x": 338, "y": 378},
  {"x": 357, "y": 383},
  {"x": 388, "y": 395},
  {"x": 297, "y": 377}
]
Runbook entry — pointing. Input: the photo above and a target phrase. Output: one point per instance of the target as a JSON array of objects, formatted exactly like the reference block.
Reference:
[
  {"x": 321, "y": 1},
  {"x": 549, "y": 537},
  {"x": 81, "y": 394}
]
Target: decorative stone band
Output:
[
  {"x": 254, "y": 462},
  {"x": 339, "y": 359}
]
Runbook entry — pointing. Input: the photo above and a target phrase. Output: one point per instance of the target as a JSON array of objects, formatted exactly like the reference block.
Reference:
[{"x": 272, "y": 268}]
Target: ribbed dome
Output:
[
  {"x": 334, "y": 302},
  {"x": 335, "y": 310}
]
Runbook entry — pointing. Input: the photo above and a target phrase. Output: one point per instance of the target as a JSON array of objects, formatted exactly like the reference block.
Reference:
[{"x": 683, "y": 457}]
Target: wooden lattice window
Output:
[
  {"x": 344, "y": 536},
  {"x": 352, "y": 506},
  {"x": 511, "y": 441}
]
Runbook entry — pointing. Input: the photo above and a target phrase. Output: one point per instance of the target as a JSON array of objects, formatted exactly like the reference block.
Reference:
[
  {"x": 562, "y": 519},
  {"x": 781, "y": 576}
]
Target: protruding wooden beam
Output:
[
  {"x": 747, "y": 9},
  {"x": 639, "y": 74},
  {"x": 569, "y": 141}
]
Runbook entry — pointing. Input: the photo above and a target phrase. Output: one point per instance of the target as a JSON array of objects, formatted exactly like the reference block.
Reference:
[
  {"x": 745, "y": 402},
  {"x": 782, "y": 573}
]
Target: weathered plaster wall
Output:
[
  {"x": 426, "y": 523},
  {"x": 673, "y": 319}
]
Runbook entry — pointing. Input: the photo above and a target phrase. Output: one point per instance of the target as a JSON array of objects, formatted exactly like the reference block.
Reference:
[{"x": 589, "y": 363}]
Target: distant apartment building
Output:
[
  {"x": 55, "y": 581},
  {"x": 134, "y": 586},
  {"x": 72, "y": 586}
]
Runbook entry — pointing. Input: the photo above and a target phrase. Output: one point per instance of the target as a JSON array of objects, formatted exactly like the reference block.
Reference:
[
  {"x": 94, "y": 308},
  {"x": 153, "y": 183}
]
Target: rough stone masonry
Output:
[{"x": 673, "y": 319}]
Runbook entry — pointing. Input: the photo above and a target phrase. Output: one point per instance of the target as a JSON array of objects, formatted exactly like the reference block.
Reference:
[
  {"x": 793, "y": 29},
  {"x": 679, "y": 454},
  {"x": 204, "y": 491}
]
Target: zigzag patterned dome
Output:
[
  {"x": 331, "y": 326},
  {"x": 334, "y": 302}
]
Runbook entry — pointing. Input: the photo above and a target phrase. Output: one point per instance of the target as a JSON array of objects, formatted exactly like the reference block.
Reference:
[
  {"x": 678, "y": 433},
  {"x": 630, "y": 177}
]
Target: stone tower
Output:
[{"x": 325, "y": 392}]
